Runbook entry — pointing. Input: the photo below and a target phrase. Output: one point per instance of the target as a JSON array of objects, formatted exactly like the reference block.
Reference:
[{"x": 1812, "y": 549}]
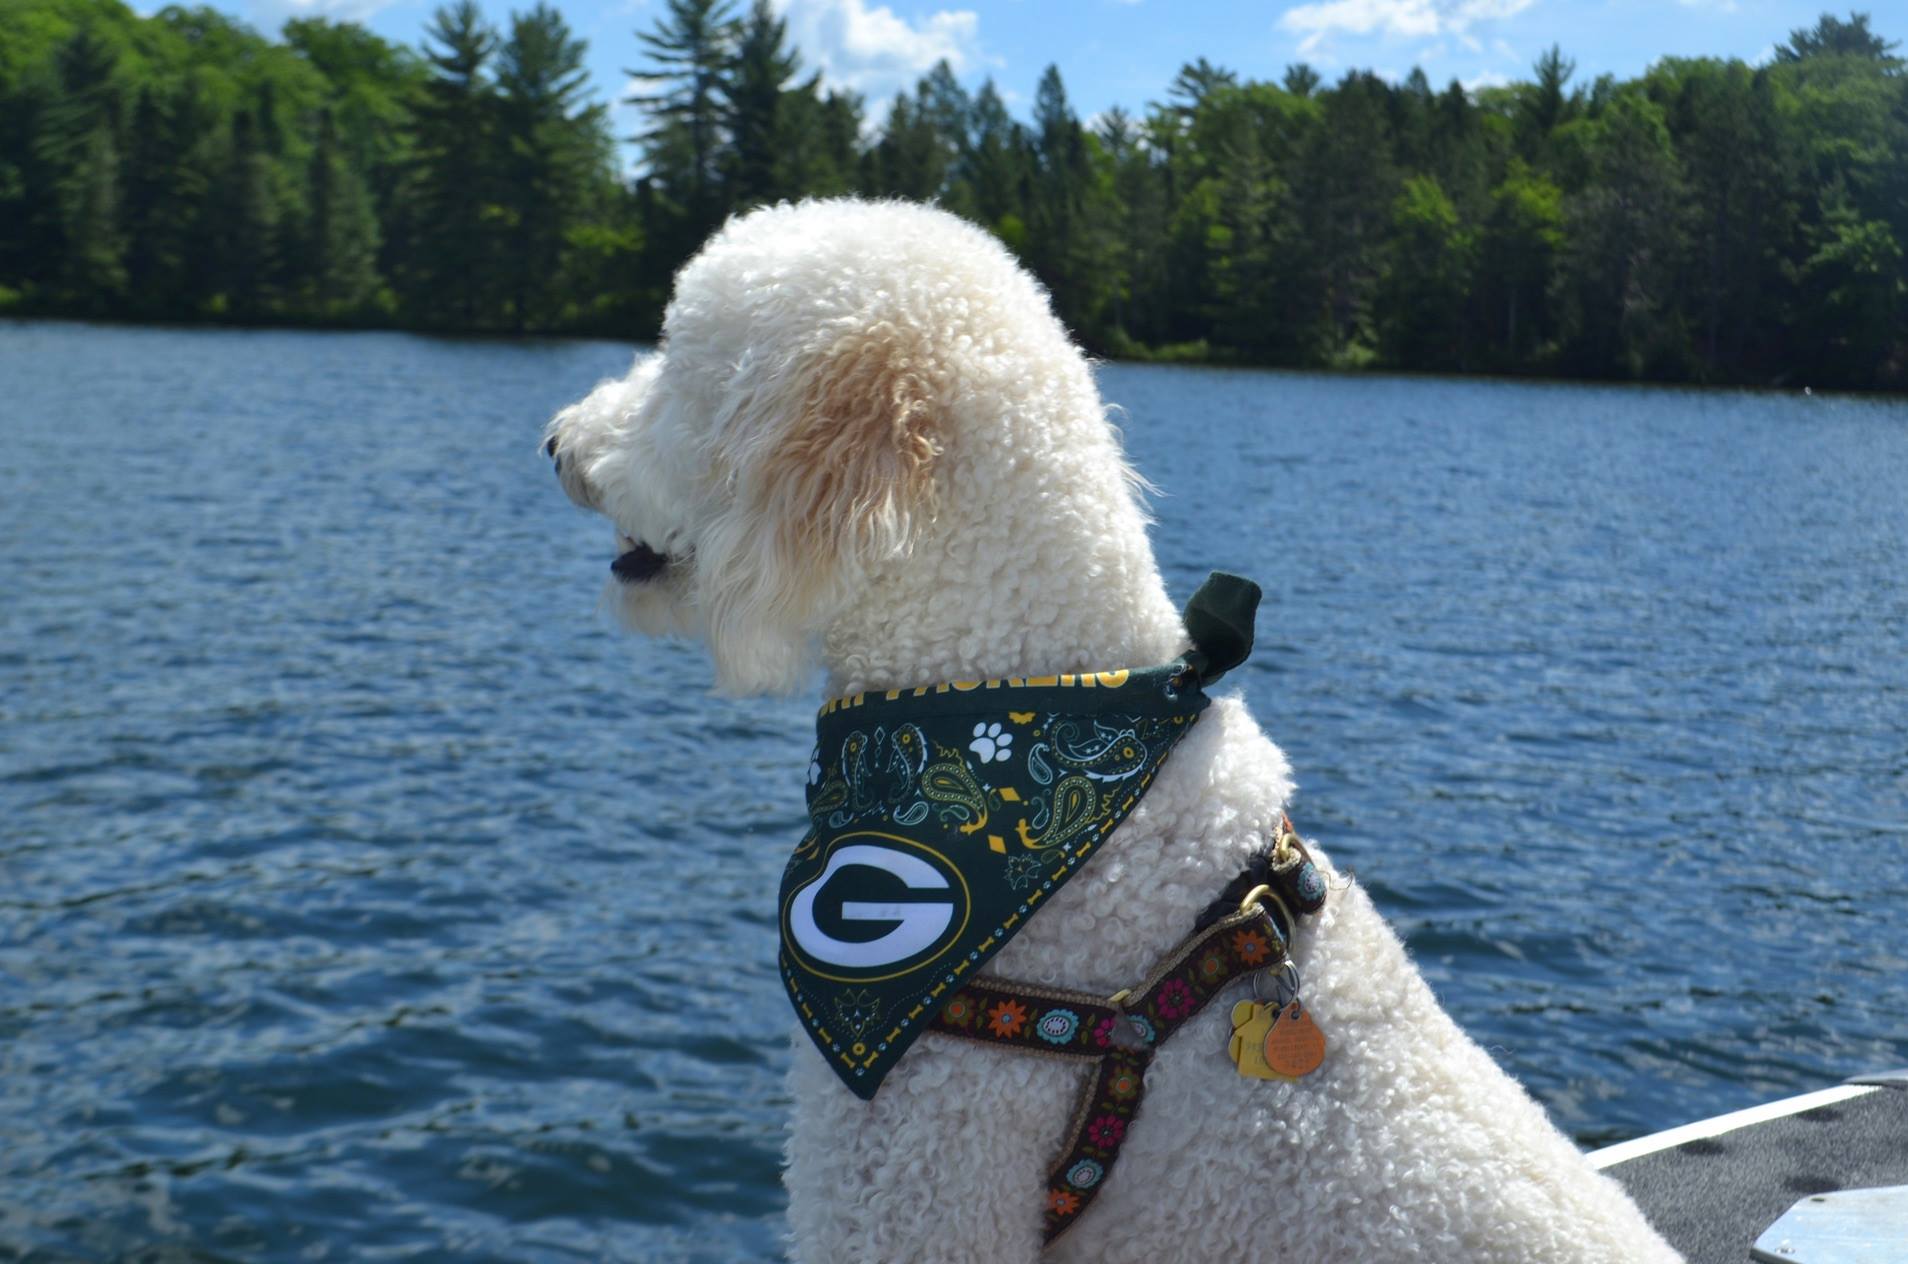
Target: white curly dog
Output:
[{"x": 867, "y": 439}]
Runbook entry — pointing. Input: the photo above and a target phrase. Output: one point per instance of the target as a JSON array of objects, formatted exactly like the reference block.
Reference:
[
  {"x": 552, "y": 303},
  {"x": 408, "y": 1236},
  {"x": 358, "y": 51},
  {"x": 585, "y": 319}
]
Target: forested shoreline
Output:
[{"x": 1710, "y": 221}]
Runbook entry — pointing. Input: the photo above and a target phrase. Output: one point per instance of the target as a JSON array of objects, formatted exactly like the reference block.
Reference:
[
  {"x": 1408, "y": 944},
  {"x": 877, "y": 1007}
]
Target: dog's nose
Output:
[{"x": 549, "y": 450}]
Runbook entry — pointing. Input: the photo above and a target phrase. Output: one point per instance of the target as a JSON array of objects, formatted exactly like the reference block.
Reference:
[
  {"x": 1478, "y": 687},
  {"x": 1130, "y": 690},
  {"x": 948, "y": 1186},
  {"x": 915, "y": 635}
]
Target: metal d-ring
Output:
[
  {"x": 1253, "y": 897},
  {"x": 1257, "y": 895}
]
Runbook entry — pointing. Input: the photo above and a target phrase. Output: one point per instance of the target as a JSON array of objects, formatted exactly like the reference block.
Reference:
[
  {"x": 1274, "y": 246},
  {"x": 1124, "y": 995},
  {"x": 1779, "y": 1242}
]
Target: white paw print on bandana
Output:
[
  {"x": 991, "y": 744},
  {"x": 814, "y": 767}
]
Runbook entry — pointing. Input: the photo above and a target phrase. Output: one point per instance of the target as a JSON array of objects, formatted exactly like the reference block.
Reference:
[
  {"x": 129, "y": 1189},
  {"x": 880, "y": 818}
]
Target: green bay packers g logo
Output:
[{"x": 882, "y": 906}]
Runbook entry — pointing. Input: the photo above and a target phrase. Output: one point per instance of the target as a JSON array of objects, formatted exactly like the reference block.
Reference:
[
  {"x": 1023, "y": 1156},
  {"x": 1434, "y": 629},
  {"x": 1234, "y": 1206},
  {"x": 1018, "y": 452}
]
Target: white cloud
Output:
[
  {"x": 873, "y": 51},
  {"x": 1484, "y": 79},
  {"x": 1405, "y": 19}
]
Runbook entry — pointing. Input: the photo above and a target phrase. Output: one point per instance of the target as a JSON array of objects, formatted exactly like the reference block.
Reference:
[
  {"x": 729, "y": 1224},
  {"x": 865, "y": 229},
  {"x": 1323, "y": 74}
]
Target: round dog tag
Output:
[{"x": 1295, "y": 1046}]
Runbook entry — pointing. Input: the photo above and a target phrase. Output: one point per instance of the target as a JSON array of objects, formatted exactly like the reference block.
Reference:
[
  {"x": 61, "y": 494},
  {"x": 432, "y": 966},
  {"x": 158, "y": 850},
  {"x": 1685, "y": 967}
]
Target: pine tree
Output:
[
  {"x": 1243, "y": 247},
  {"x": 820, "y": 141},
  {"x": 1196, "y": 81},
  {"x": 1301, "y": 80},
  {"x": 1057, "y": 227},
  {"x": 909, "y": 160},
  {"x": 1832, "y": 37},
  {"x": 1543, "y": 105},
  {"x": 997, "y": 168},
  {"x": 945, "y": 106},
  {"x": 247, "y": 227},
  {"x": 691, "y": 53},
  {"x": 1615, "y": 279},
  {"x": 1350, "y": 181},
  {"x": 761, "y": 131},
  {"x": 341, "y": 243},
  {"x": 455, "y": 168},
  {"x": 77, "y": 153},
  {"x": 1737, "y": 167},
  {"x": 551, "y": 139},
  {"x": 1138, "y": 226}
]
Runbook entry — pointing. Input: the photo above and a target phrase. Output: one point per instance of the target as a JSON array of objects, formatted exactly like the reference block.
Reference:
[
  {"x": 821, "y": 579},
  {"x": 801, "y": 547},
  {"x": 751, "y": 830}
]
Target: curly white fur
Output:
[{"x": 867, "y": 435}]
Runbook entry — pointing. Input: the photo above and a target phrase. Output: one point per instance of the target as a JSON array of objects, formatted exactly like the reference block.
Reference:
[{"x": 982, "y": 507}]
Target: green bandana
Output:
[{"x": 943, "y": 817}]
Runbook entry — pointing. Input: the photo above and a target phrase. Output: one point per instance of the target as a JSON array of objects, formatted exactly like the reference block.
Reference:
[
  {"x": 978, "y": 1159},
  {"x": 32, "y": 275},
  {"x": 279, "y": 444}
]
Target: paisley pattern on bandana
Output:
[{"x": 941, "y": 820}]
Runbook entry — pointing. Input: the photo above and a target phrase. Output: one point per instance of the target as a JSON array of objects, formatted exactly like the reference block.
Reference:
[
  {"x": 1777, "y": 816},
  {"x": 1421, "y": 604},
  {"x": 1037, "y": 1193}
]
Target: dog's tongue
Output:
[{"x": 639, "y": 564}]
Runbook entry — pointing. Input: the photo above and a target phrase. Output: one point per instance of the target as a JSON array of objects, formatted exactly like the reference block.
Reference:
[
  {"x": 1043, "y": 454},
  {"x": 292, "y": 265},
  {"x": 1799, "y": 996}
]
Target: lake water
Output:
[{"x": 335, "y": 916}]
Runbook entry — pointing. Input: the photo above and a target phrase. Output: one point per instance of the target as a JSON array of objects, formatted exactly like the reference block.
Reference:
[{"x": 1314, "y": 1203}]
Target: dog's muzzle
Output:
[{"x": 637, "y": 563}]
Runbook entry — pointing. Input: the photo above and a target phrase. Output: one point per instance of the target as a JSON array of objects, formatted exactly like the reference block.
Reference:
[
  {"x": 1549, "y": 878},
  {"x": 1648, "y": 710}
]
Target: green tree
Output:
[
  {"x": 1739, "y": 174},
  {"x": 909, "y": 160},
  {"x": 77, "y": 155},
  {"x": 998, "y": 167},
  {"x": 553, "y": 142},
  {"x": 1543, "y": 104},
  {"x": 341, "y": 244},
  {"x": 820, "y": 145},
  {"x": 243, "y": 224},
  {"x": 760, "y": 126},
  {"x": 1423, "y": 297},
  {"x": 1853, "y": 293},
  {"x": 454, "y": 136},
  {"x": 945, "y": 104},
  {"x": 1517, "y": 249},
  {"x": 691, "y": 54},
  {"x": 1832, "y": 37},
  {"x": 1614, "y": 285},
  {"x": 1300, "y": 80},
  {"x": 1196, "y": 81},
  {"x": 1351, "y": 182},
  {"x": 1059, "y": 224}
]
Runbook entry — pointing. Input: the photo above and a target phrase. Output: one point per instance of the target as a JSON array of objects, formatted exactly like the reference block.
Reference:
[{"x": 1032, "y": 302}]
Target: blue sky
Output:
[{"x": 1125, "y": 52}]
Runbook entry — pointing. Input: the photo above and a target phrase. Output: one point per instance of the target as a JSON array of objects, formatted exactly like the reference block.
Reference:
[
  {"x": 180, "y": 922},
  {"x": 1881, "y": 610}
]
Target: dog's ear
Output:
[{"x": 833, "y": 462}]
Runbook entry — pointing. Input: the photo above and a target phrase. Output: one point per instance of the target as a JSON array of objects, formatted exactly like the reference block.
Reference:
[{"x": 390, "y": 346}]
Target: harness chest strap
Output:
[{"x": 1120, "y": 1034}]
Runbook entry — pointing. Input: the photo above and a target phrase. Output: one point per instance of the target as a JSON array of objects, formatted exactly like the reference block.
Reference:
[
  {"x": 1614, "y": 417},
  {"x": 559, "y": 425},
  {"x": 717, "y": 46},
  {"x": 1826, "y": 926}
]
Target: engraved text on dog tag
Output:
[{"x": 1294, "y": 1046}]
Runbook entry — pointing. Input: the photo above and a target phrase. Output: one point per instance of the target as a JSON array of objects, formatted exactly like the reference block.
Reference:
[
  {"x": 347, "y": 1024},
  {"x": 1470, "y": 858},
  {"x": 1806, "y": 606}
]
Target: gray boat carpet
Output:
[{"x": 1712, "y": 1198}]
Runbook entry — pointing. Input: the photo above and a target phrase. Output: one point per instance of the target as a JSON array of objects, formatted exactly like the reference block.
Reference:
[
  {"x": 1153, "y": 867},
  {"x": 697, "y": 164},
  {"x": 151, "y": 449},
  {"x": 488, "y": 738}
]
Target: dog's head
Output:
[{"x": 782, "y": 445}]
